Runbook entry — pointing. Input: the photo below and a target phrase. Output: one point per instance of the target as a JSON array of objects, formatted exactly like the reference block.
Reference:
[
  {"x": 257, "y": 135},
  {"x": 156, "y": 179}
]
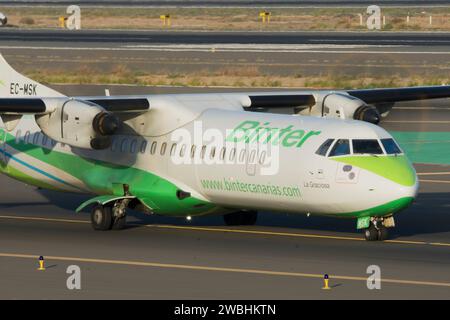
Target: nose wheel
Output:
[{"x": 376, "y": 231}]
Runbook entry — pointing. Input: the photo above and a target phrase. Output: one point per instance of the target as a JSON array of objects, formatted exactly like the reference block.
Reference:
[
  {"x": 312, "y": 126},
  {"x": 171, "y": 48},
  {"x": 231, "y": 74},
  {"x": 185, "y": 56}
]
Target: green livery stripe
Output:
[
  {"x": 394, "y": 168},
  {"x": 102, "y": 178},
  {"x": 382, "y": 210},
  {"x": 19, "y": 175}
]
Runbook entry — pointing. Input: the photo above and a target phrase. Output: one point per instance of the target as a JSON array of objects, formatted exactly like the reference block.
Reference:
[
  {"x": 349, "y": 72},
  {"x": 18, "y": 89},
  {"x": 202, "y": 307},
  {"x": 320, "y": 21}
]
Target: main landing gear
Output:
[
  {"x": 376, "y": 231},
  {"x": 110, "y": 217},
  {"x": 241, "y": 218}
]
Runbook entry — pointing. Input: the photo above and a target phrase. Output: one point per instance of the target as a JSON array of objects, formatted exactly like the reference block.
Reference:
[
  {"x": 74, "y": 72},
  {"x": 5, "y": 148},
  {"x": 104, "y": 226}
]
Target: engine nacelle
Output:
[
  {"x": 344, "y": 106},
  {"x": 81, "y": 124}
]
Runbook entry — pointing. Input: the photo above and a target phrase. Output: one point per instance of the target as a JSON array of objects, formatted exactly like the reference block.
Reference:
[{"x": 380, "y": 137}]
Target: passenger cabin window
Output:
[
  {"x": 223, "y": 151},
  {"x": 44, "y": 140},
  {"x": 153, "y": 147},
  {"x": 36, "y": 138},
  {"x": 124, "y": 145},
  {"x": 172, "y": 149},
  {"x": 390, "y": 146},
  {"x": 143, "y": 146},
  {"x": 323, "y": 149},
  {"x": 243, "y": 155},
  {"x": 262, "y": 157},
  {"x": 114, "y": 145},
  {"x": 251, "y": 158},
  {"x": 182, "y": 150},
  {"x": 366, "y": 146},
  {"x": 133, "y": 146},
  {"x": 27, "y": 137},
  {"x": 232, "y": 154},
  {"x": 202, "y": 152},
  {"x": 340, "y": 148},
  {"x": 163, "y": 148},
  {"x": 18, "y": 136}
]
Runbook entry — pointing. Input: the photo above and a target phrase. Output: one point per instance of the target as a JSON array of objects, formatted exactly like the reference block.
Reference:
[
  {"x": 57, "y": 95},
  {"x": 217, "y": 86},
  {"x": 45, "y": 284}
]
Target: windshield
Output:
[
  {"x": 322, "y": 151},
  {"x": 390, "y": 146},
  {"x": 340, "y": 148},
  {"x": 366, "y": 146}
]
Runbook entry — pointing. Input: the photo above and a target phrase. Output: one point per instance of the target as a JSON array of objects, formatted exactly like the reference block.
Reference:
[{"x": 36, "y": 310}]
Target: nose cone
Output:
[
  {"x": 397, "y": 187},
  {"x": 398, "y": 169},
  {"x": 407, "y": 185},
  {"x": 406, "y": 195},
  {"x": 401, "y": 171}
]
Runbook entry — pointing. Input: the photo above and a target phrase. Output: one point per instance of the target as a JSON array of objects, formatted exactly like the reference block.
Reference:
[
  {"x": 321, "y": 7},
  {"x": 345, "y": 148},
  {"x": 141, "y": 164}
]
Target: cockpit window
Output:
[
  {"x": 340, "y": 148},
  {"x": 366, "y": 146},
  {"x": 390, "y": 146},
  {"x": 322, "y": 151}
]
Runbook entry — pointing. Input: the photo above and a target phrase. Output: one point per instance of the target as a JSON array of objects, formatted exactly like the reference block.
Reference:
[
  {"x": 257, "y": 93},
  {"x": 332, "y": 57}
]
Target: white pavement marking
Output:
[{"x": 220, "y": 48}]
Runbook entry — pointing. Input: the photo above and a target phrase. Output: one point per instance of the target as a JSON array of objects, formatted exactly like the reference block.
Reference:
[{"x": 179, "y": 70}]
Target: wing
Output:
[{"x": 374, "y": 96}]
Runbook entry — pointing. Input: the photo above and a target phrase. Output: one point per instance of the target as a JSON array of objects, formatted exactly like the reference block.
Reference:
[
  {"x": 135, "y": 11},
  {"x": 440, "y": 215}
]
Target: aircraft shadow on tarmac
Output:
[{"x": 428, "y": 215}]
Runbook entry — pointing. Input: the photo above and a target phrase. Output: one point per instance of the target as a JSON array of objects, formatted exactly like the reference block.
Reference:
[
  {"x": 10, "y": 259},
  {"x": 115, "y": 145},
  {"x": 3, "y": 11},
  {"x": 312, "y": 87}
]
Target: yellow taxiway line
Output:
[
  {"x": 220, "y": 269},
  {"x": 434, "y": 181},
  {"x": 44, "y": 219},
  {"x": 257, "y": 232},
  {"x": 433, "y": 173},
  {"x": 236, "y": 231}
]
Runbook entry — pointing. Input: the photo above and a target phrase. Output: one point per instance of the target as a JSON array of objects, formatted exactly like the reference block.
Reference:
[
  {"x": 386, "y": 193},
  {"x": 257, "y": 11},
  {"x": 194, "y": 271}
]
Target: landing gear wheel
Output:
[
  {"x": 382, "y": 233},
  {"x": 371, "y": 233},
  {"x": 101, "y": 218},
  {"x": 239, "y": 218},
  {"x": 119, "y": 223}
]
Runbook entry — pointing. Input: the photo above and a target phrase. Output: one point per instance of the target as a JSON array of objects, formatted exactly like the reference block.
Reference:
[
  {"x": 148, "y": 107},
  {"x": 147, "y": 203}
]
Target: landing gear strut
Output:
[
  {"x": 376, "y": 231},
  {"x": 241, "y": 218},
  {"x": 107, "y": 217}
]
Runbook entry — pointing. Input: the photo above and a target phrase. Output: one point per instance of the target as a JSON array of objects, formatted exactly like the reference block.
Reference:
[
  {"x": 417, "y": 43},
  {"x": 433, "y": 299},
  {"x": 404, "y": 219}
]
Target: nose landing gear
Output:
[{"x": 376, "y": 231}]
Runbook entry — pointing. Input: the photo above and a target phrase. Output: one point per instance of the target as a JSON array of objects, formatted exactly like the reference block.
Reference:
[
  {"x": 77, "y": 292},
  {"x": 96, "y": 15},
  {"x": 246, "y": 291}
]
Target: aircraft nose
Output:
[{"x": 407, "y": 193}]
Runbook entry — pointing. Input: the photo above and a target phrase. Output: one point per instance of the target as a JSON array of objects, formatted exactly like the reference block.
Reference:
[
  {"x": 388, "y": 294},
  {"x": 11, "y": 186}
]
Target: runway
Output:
[
  {"x": 121, "y": 37},
  {"x": 282, "y": 257},
  {"x": 233, "y": 3},
  {"x": 403, "y": 56}
]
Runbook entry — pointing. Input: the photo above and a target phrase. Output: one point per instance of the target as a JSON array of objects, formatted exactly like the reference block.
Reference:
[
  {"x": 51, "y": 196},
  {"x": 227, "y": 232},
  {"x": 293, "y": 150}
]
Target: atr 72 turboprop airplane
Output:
[{"x": 197, "y": 154}]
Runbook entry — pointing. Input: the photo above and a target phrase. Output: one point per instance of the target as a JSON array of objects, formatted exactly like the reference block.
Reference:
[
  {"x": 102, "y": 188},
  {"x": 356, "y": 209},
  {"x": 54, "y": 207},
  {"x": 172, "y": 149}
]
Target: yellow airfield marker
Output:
[
  {"x": 325, "y": 281},
  {"x": 41, "y": 264}
]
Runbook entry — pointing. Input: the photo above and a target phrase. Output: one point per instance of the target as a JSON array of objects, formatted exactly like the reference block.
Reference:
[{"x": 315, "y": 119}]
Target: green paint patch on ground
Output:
[{"x": 425, "y": 147}]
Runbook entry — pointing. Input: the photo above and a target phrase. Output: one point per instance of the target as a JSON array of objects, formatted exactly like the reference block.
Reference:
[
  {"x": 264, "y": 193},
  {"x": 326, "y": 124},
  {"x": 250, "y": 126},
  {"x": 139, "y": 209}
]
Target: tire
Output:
[
  {"x": 120, "y": 223},
  {"x": 101, "y": 218},
  {"x": 383, "y": 233},
  {"x": 371, "y": 233}
]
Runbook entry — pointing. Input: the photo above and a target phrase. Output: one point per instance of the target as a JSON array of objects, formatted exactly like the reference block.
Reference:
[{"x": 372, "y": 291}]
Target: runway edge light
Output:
[
  {"x": 41, "y": 264},
  {"x": 325, "y": 282}
]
